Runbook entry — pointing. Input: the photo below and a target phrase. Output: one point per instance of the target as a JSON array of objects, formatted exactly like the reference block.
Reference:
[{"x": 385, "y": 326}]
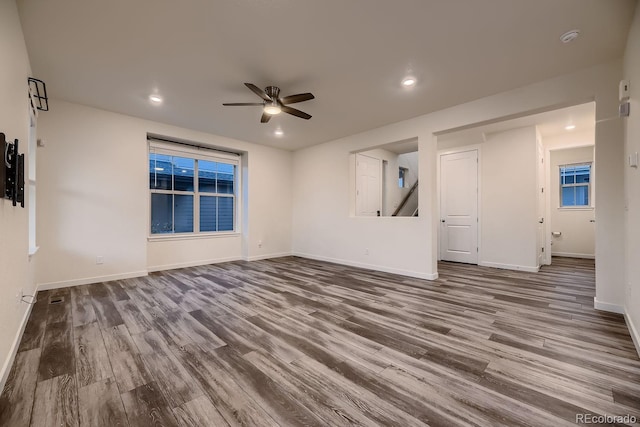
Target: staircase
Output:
[{"x": 409, "y": 204}]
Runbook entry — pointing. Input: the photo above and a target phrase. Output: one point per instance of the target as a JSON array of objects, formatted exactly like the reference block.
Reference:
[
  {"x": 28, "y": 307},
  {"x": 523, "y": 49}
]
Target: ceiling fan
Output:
[{"x": 272, "y": 103}]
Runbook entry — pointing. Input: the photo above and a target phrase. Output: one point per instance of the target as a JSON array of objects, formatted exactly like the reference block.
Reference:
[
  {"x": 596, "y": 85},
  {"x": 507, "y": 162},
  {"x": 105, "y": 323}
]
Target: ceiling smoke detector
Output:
[{"x": 569, "y": 36}]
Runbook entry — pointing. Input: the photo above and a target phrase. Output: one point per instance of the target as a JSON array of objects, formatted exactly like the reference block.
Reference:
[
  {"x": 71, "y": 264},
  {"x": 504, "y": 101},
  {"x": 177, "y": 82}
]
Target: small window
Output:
[
  {"x": 402, "y": 180},
  {"x": 575, "y": 185}
]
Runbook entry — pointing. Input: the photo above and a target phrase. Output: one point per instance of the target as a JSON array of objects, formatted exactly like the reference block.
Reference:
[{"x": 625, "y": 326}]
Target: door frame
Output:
[
  {"x": 462, "y": 149},
  {"x": 548, "y": 202}
]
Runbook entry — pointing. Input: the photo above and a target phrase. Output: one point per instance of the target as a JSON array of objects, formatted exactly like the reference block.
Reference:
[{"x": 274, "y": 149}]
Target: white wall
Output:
[
  {"x": 632, "y": 181},
  {"x": 323, "y": 228},
  {"x": 16, "y": 270},
  {"x": 508, "y": 203},
  {"x": 578, "y": 232},
  {"x": 93, "y": 199}
]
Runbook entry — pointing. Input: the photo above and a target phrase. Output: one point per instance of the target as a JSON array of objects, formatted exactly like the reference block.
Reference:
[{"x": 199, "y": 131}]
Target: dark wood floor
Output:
[{"x": 298, "y": 342}]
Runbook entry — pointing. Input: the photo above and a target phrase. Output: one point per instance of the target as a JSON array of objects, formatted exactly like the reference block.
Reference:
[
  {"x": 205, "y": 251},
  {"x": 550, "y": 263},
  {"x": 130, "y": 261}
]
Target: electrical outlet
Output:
[
  {"x": 259, "y": 243},
  {"x": 366, "y": 251},
  {"x": 19, "y": 297},
  {"x": 99, "y": 259}
]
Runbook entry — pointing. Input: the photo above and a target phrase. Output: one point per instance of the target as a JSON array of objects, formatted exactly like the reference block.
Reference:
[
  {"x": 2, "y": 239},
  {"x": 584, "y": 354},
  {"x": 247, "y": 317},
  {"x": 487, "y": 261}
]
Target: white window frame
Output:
[
  {"x": 196, "y": 153},
  {"x": 581, "y": 184},
  {"x": 31, "y": 176}
]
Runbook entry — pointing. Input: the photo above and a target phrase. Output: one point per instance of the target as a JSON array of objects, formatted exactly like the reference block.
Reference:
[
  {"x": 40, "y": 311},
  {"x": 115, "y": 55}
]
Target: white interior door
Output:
[
  {"x": 368, "y": 186},
  {"x": 459, "y": 207}
]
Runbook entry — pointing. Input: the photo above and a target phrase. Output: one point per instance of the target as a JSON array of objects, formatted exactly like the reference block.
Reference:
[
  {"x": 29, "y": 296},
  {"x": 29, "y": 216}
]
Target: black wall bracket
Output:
[
  {"x": 39, "y": 94},
  {"x": 12, "y": 172}
]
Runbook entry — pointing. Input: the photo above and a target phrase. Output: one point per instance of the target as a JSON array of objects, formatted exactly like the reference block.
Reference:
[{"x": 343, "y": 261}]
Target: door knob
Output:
[{"x": 442, "y": 220}]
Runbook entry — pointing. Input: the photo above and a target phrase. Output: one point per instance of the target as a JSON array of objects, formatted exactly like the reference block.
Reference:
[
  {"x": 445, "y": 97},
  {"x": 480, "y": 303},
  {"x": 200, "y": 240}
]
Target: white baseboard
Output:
[
  {"x": 572, "y": 255},
  {"x": 633, "y": 330},
  {"x": 8, "y": 363},
  {"x": 90, "y": 280},
  {"x": 192, "y": 263},
  {"x": 509, "y": 266},
  {"x": 267, "y": 256},
  {"x": 607, "y": 306},
  {"x": 409, "y": 273}
]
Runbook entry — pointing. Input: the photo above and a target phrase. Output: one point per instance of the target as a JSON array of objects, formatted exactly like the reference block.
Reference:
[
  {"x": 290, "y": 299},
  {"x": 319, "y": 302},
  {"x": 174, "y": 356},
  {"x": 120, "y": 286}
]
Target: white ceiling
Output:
[{"x": 352, "y": 55}]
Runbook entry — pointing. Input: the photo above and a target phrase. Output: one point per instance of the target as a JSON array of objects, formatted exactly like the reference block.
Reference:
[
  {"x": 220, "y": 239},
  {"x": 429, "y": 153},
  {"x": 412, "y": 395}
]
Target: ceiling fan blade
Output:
[
  {"x": 242, "y": 104},
  {"x": 296, "y": 113},
  {"x": 265, "y": 118},
  {"x": 292, "y": 99},
  {"x": 262, "y": 94}
]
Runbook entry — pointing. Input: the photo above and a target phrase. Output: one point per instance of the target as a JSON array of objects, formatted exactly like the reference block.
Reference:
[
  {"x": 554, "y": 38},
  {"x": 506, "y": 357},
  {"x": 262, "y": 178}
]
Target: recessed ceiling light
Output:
[
  {"x": 278, "y": 132},
  {"x": 570, "y": 127},
  {"x": 569, "y": 36},
  {"x": 409, "y": 82},
  {"x": 156, "y": 99}
]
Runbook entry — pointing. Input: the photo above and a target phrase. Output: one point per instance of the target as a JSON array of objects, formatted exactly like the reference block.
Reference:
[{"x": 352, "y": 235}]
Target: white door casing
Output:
[
  {"x": 368, "y": 186},
  {"x": 541, "y": 204},
  {"x": 459, "y": 207}
]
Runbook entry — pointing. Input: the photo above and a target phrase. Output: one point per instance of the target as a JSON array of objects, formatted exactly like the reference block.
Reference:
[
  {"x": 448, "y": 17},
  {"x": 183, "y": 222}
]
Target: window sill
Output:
[
  {"x": 576, "y": 208},
  {"x": 163, "y": 238},
  {"x": 33, "y": 251}
]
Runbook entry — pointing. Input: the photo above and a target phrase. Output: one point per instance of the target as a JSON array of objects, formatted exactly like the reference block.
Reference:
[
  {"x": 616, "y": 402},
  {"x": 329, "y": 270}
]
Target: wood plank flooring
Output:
[{"x": 296, "y": 342}]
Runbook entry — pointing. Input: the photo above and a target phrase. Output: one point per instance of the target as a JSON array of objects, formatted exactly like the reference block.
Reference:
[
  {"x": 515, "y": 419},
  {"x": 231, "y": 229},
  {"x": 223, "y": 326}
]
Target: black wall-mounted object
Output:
[
  {"x": 3, "y": 166},
  {"x": 12, "y": 172},
  {"x": 39, "y": 92}
]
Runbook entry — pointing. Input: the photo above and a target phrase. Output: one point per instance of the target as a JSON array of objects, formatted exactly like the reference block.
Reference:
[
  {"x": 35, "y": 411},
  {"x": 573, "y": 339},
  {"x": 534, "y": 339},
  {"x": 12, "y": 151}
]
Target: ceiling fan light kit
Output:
[{"x": 273, "y": 104}]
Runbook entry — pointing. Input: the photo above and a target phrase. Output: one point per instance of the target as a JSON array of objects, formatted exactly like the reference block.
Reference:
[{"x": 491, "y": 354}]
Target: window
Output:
[
  {"x": 575, "y": 185},
  {"x": 192, "y": 190},
  {"x": 402, "y": 180}
]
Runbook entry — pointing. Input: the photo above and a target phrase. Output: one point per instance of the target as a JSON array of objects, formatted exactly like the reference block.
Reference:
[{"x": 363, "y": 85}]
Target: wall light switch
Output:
[{"x": 624, "y": 109}]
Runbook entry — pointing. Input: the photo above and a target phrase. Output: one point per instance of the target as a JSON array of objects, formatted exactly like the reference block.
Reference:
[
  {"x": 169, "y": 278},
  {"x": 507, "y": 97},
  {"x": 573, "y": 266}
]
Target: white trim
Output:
[
  {"x": 607, "y": 306},
  {"x": 575, "y": 208},
  {"x": 509, "y": 266},
  {"x": 376, "y": 267},
  {"x": 153, "y": 268},
  {"x": 90, "y": 280},
  {"x": 573, "y": 255},
  {"x": 633, "y": 331},
  {"x": 8, "y": 363},
  {"x": 267, "y": 256},
  {"x": 455, "y": 150}
]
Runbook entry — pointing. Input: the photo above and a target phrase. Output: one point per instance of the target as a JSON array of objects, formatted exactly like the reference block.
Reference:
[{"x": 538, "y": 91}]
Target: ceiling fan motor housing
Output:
[{"x": 273, "y": 92}]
